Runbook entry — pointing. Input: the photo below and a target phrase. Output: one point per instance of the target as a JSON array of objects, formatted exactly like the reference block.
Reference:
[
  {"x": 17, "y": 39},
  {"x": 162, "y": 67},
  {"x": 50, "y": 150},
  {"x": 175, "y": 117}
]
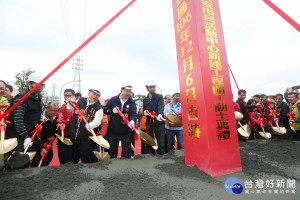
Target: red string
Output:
[
  {"x": 242, "y": 99},
  {"x": 283, "y": 15}
]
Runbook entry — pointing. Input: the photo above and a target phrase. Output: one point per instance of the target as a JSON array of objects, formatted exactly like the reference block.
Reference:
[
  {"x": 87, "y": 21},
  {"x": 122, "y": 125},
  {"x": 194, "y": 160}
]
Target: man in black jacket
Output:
[
  {"x": 47, "y": 134},
  {"x": 25, "y": 116},
  {"x": 79, "y": 133},
  {"x": 283, "y": 118},
  {"x": 117, "y": 129},
  {"x": 242, "y": 103},
  {"x": 154, "y": 102}
]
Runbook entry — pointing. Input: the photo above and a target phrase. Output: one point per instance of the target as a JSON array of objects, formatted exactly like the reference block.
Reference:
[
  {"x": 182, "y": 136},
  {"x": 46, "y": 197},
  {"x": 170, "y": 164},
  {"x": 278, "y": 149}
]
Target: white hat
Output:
[
  {"x": 150, "y": 83},
  {"x": 34, "y": 77},
  {"x": 127, "y": 86},
  {"x": 96, "y": 91}
]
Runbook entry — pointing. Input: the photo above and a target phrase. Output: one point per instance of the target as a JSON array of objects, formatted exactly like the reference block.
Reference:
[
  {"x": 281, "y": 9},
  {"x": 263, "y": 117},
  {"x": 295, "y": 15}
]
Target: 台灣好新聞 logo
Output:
[{"x": 233, "y": 186}]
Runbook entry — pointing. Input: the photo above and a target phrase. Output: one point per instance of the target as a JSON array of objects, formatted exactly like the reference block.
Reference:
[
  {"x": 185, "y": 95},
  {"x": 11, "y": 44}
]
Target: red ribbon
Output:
[
  {"x": 177, "y": 114},
  {"x": 152, "y": 115},
  {"x": 47, "y": 146},
  {"x": 79, "y": 112},
  {"x": 60, "y": 122},
  {"x": 291, "y": 115},
  {"x": 37, "y": 130},
  {"x": 69, "y": 57},
  {"x": 3, "y": 118}
]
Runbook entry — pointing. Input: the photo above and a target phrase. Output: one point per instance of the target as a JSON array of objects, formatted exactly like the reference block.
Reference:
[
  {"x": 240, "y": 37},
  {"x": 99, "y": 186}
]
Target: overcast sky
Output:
[{"x": 263, "y": 50}]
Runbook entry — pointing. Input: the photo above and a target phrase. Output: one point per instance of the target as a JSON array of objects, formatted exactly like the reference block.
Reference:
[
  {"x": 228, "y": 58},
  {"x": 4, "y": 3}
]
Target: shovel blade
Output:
[
  {"x": 102, "y": 156},
  {"x": 18, "y": 160},
  {"x": 174, "y": 121},
  {"x": 100, "y": 141},
  {"x": 8, "y": 145},
  {"x": 293, "y": 129},
  {"x": 238, "y": 116},
  {"x": 265, "y": 135},
  {"x": 243, "y": 134},
  {"x": 66, "y": 141},
  {"x": 147, "y": 139},
  {"x": 279, "y": 130}
]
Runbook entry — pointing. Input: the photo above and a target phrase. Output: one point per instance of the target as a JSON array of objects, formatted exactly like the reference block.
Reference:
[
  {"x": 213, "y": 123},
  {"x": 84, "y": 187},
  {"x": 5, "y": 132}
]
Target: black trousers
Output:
[
  {"x": 83, "y": 149},
  {"x": 64, "y": 152},
  {"x": 113, "y": 141},
  {"x": 297, "y": 135},
  {"x": 159, "y": 130},
  {"x": 132, "y": 142}
]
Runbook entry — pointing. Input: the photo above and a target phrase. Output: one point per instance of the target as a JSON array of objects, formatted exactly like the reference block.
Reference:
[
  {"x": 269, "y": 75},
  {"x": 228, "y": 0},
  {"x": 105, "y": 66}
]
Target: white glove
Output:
[
  {"x": 159, "y": 118},
  {"x": 131, "y": 124},
  {"x": 43, "y": 118},
  {"x": 87, "y": 126},
  {"x": 27, "y": 141},
  {"x": 145, "y": 113},
  {"x": 115, "y": 110}
]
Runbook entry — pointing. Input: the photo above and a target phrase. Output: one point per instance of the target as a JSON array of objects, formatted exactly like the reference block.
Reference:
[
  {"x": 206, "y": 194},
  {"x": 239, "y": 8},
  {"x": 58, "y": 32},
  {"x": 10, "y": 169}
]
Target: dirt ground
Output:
[{"x": 155, "y": 177}]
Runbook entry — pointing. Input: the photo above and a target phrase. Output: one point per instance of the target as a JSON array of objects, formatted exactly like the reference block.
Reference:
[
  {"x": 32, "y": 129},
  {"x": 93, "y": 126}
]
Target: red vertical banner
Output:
[{"x": 210, "y": 134}]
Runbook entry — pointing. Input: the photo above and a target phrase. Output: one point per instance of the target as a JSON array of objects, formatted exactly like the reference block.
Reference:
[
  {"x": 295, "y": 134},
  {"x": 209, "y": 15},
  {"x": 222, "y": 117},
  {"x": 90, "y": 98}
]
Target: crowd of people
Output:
[
  {"x": 106, "y": 121},
  {"x": 263, "y": 112}
]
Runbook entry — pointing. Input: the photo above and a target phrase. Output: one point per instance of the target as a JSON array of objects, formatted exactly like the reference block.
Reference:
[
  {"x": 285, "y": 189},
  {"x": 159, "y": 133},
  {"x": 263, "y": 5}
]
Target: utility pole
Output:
[{"x": 77, "y": 64}]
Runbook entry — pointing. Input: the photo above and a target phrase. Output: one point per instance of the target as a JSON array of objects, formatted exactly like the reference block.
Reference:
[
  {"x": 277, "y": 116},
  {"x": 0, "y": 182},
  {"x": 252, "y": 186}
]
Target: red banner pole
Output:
[
  {"x": 209, "y": 127},
  {"x": 283, "y": 15},
  {"x": 69, "y": 57}
]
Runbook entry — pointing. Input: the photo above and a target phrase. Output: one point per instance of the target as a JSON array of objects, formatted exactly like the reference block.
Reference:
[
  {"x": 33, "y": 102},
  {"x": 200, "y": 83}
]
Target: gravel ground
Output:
[{"x": 156, "y": 177}]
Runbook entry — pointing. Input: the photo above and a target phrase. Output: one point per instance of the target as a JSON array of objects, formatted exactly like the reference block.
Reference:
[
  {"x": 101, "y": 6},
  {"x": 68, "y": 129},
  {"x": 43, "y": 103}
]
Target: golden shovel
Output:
[
  {"x": 145, "y": 137},
  {"x": 280, "y": 130},
  {"x": 8, "y": 144},
  {"x": 238, "y": 116},
  {"x": 99, "y": 140},
  {"x": 61, "y": 125},
  {"x": 264, "y": 134},
  {"x": 66, "y": 141},
  {"x": 244, "y": 131},
  {"x": 19, "y": 159},
  {"x": 101, "y": 155},
  {"x": 173, "y": 121}
]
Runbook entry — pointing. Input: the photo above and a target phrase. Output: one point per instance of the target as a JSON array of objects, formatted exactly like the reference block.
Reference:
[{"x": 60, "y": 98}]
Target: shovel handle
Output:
[
  {"x": 26, "y": 149},
  {"x": 42, "y": 159}
]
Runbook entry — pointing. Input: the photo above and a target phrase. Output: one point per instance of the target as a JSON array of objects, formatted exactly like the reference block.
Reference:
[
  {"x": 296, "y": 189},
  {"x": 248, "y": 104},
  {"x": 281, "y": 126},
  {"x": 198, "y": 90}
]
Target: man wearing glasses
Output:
[{"x": 64, "y": 151}]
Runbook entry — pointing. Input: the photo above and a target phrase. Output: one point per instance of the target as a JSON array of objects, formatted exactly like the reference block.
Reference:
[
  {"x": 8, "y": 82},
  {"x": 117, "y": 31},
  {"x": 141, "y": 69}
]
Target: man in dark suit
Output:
[{"x": 283, "y": 120}]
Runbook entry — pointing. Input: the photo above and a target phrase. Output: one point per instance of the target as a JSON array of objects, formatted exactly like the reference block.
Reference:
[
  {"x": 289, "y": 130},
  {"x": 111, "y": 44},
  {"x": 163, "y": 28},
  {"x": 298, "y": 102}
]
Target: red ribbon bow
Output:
[
  {"x": 37, "y": 130},
  {"x": 291, "y": 115},
  {"x": 61, "y": 122},
  {"x": 80, "y": 113},
  {"x": 3, "y": 118},
  {"x": 273, "y": 112}
]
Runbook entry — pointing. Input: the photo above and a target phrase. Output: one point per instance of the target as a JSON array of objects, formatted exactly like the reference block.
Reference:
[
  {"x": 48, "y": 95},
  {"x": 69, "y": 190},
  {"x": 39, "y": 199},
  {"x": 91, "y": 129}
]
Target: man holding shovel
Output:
[
  {"x": 64, "y": 150},
  {"x": 283, "y": 119},
  {"x": 79, "y": 132},
  {"x": 25, "y": 116},
  {"x": 294, "y": 100},
  {"x": 242, "y": 103},
  {"x": 154, "y": 103},
  {"x": 117, "y": 129}
]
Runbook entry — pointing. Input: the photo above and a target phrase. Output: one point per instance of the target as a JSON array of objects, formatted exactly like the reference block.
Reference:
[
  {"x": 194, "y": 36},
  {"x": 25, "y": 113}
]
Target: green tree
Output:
[{"x": 21, "y": 79}]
